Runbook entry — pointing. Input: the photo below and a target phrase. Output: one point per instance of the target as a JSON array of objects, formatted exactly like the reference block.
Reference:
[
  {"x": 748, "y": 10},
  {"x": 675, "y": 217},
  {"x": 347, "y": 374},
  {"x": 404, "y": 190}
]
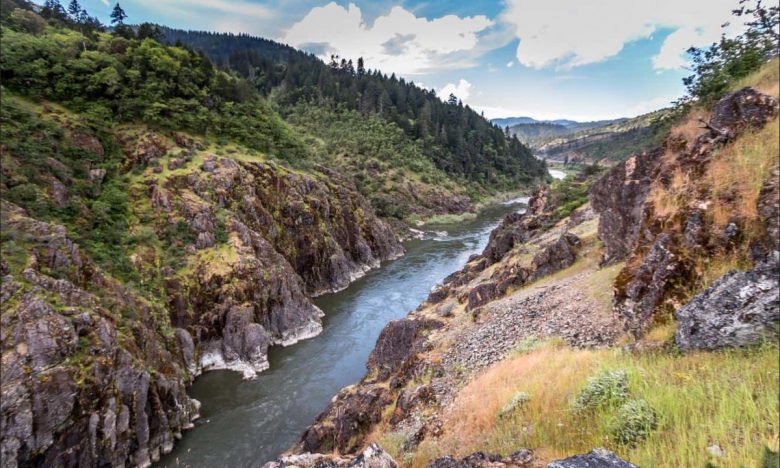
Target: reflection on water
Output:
[{"x": 248, "y": 422}]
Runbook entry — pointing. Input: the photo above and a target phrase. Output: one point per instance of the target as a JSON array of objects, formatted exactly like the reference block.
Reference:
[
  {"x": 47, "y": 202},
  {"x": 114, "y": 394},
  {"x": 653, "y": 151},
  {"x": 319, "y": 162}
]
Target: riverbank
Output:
[{"x": 246, "y": 422}]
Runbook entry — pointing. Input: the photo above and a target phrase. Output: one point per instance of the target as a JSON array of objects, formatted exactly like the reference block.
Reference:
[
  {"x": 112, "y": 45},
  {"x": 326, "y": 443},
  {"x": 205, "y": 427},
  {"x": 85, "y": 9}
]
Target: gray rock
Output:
[
  {"x": 596, "y": 458},
  {"x": 739, "y": 309}
]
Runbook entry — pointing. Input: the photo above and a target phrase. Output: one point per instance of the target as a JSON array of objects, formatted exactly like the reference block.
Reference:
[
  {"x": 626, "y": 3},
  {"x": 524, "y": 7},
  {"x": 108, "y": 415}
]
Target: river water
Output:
[{"x": 245, "y": 423}]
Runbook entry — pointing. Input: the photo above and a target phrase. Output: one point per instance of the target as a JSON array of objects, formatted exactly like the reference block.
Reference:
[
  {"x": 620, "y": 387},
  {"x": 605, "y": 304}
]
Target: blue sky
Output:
[{"x": 578, "y": 59}]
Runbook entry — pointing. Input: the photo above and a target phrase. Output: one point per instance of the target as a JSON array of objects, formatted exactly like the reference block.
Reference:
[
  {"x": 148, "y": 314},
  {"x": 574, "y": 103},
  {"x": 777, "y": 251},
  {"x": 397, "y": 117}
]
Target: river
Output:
[{"x": 245, "y": 423}]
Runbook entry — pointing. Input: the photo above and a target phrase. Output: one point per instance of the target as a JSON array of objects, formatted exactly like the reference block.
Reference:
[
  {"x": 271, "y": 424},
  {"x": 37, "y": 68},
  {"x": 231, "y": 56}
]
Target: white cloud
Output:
[
  {"x": 571, "y": 33},
  {"x": 649, "y": 105},
  {"x": 397, "y": 41},
  {"x": 462, "y": 90},
  {"x": 510, "y": 64}
]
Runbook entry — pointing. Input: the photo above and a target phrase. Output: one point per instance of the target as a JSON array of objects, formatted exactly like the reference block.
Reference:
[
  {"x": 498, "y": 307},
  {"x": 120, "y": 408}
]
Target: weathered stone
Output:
[
  {"x": 395, "y": 346},
  {"x": 619, "y": 198},
  {"x": 354, "y": 413},
  {"x": 739, "y": 309},
  {"x": 596, "y": 458},
  {"x": 744, "y": 108},
  {"x": 522, "y": 458}
]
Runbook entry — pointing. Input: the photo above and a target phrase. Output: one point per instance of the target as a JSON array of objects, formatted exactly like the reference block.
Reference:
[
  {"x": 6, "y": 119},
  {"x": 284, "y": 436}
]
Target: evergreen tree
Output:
[
  {"x": 52, "y": 9},
  {"x": 361, "y": 69},
  {"x": 74, "y": 10},
  {"x": 118, "y": 15}
]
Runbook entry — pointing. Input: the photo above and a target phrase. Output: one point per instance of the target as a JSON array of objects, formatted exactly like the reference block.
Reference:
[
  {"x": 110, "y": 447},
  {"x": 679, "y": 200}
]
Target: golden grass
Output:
[
  {"x": 727, "y": 398},
  {"x": 669, "y": 200},
  {"x": 689, "y": 128},
  {"x": 738, "y": 171}
]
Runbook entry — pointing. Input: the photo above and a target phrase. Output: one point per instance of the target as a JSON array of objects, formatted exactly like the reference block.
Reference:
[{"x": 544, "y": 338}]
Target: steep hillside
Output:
[
  {"x": 462, "y": 145},
  {"x": 158, "y": 219},
  {"x": 609, "y": 323},
  {"x": 535, "y": 133},
  {"x": 606, "y": 144}
]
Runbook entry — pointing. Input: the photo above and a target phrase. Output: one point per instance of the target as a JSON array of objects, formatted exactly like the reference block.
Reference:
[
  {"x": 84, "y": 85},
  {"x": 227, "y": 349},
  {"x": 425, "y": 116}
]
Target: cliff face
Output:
[
  {"x": 223, "y": 254},
  {"x": 679, "y": 213},
  {"x": 81, "y": 385}
]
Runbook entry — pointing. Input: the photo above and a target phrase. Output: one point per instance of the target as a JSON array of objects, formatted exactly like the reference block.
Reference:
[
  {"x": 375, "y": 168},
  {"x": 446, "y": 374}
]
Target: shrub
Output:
[
  {"x": 633, "y": 423},
  {"x": 519, "y": 400},
  {"x": 605, "y": 389}
]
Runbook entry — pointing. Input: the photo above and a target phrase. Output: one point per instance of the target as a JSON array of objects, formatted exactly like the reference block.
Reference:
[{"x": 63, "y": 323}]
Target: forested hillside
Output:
[{"x": 457, "y": 139}]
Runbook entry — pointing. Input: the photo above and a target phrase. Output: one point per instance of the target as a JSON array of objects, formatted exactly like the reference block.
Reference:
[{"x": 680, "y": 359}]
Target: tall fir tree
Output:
[
  {"x": 118, "y": 15},
  {"x": 74, "y": 10}
]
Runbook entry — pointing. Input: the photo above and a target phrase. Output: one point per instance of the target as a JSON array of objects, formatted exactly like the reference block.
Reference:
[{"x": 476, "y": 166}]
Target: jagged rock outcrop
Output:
[
  {"x": 739, "y": 309},
  {"x": 346, "y": 420},
  {"x": 81, "y": 385},
  {"x": 619, "y": 198},
  {"x": 596, "y": 458},
  {"x": 259, "y": 241},
  {"x": 373, "y": 456},
  {"x": 661, "y": 245},
  {"x": 396, "y": 344},
  {"x": 517, "y": 228}
]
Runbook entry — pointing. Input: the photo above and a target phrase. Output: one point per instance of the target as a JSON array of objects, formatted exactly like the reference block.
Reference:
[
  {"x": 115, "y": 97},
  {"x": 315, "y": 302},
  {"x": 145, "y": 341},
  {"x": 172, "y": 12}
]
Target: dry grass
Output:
[
  {"x": 669, "y": 200},
  {"x": 727, "y": 398},
  {"x": 736, "y": 174},
  {"x": 689, "y": 128}
]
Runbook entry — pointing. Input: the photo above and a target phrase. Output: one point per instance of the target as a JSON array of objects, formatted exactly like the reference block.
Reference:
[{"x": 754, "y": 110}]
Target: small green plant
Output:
[
  {"x": 635, "y": 420},
  {"x": 526, "y": 345},
  {"x": 608, "y": 388},
  {"x": 518, "y": 401}
]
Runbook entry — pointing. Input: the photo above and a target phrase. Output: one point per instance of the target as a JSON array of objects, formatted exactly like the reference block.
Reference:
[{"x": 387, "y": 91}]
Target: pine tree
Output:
[
  {"x": 361, "y": 68},
  {"x": 74, "y": 10},
  {"x": 118, "y": 15}
]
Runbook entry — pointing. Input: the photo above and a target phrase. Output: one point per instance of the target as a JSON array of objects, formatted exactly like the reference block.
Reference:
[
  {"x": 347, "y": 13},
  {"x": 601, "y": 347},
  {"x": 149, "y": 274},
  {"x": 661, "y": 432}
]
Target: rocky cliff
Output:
[
  {"x": 81, "y": 385},
  {"x": 679, "y": 213},
  {"x": 207, "y": 255}
]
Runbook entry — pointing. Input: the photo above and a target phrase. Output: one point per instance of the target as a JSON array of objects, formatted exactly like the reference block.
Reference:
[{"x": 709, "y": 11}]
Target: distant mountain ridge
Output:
[{"x": 512, "y": 121}]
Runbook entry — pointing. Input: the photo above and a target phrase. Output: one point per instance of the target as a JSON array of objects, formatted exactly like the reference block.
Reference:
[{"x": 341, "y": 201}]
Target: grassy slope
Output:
[{"x": 726, "y": 398}]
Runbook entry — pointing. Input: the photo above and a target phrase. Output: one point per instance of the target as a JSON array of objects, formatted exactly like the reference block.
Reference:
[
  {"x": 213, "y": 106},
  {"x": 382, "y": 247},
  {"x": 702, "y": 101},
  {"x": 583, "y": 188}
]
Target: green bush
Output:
[
  {"x": 633, "y": 423},
  {"x": 608, "y": 388},
  {"x": 518, "y": 401}
]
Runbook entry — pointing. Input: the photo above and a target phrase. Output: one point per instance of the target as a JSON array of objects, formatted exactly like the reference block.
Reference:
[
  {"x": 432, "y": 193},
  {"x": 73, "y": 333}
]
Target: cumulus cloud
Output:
[
  {"x": 571, "y": 33},
  {"x": 397, "y": 41},
  {"x": 462, "y": 90}
]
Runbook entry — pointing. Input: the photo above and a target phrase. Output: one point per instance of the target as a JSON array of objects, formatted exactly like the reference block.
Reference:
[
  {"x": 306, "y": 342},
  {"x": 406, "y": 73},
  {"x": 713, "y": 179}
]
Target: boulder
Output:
[
  {"x": 596, "y": 458},
  {"x": 743, "y": 108},
  {"x": 739, "y": 309},
  {"x": 559, "y": 255}
]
